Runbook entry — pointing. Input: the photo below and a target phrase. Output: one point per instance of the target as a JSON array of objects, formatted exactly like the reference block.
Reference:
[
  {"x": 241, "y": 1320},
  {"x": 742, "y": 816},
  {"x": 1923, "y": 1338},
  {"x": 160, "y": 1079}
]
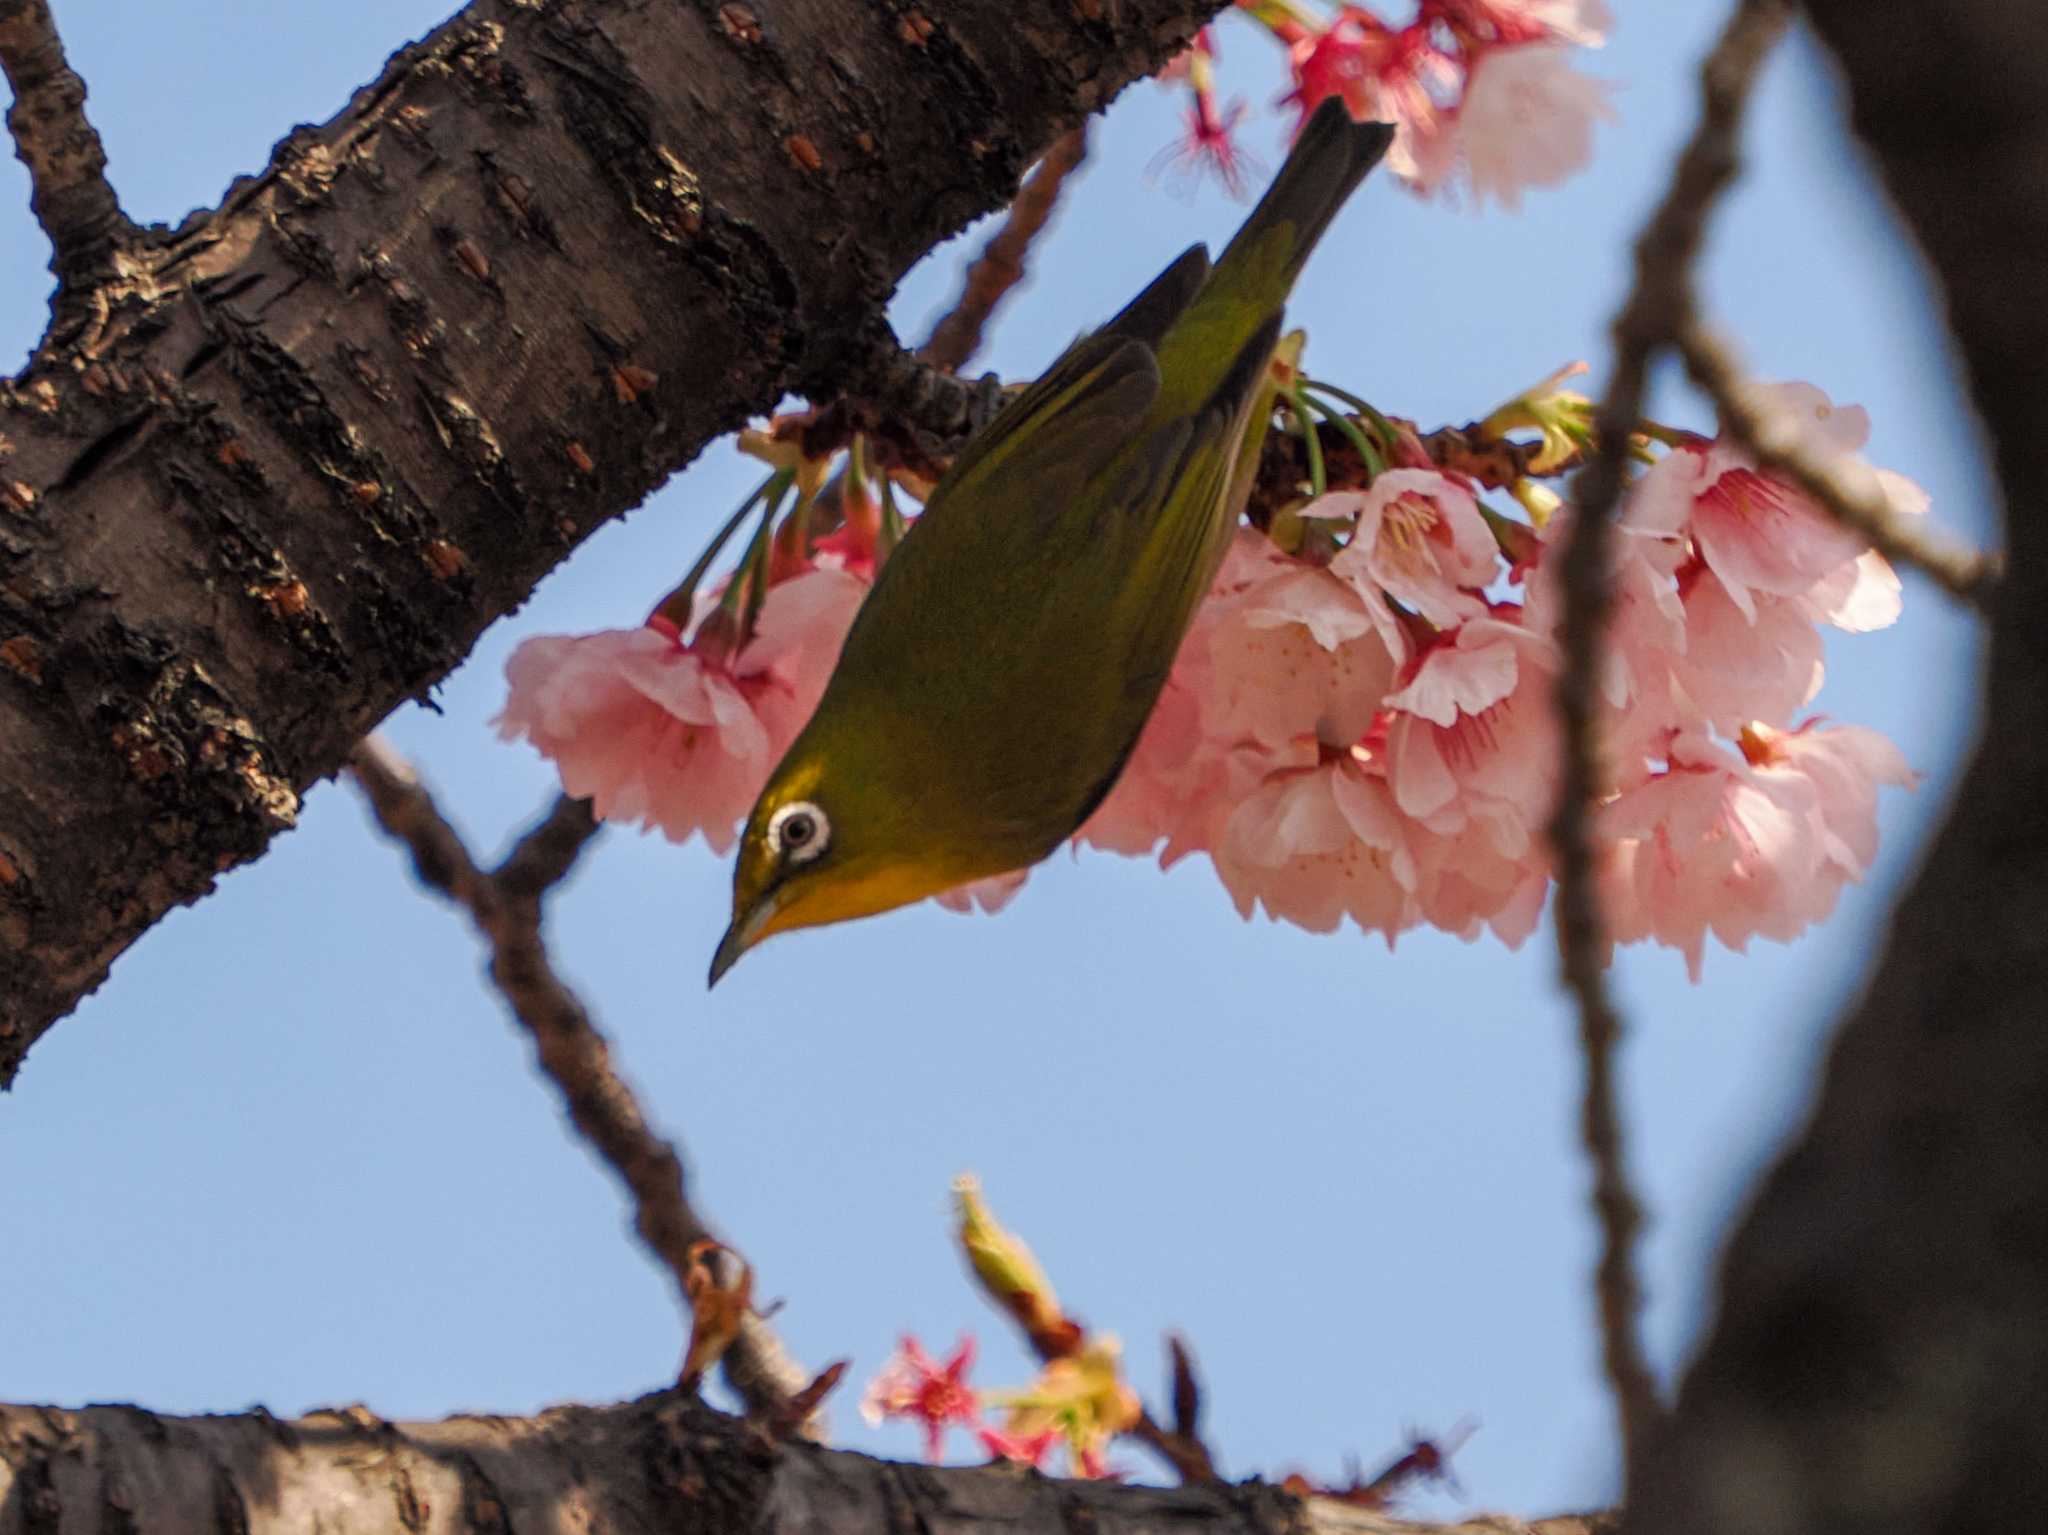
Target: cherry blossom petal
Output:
[
  {"x": 1420, "y": 539},
  {"x": 987, "y": 896},
  {"x": 1526, "y": 120}
]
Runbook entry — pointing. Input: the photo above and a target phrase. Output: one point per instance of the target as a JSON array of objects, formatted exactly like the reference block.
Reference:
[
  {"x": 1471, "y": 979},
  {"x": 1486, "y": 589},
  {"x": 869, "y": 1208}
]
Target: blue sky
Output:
[{"x": 292, "y": 1152}]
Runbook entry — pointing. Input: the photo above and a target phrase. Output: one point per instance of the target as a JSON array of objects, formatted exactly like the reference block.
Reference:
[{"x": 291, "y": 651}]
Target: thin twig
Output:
[
  {"x": 1659, "y": 306},
  {"x": 1000, "y": 266},
  {"x": 1857, "y": 504},
  {"x": 505, "y": 906},
  {"x": 67, "y": 167}
]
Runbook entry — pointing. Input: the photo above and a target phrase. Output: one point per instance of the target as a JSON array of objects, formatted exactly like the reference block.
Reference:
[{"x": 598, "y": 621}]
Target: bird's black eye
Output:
[{"x": 799, "y": 832}]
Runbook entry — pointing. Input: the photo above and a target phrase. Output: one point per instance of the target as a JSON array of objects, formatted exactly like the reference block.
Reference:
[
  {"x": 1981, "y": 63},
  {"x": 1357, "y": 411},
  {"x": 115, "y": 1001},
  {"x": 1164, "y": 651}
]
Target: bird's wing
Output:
[
  {"x": 1174, "y": 555},
  {"x": 1060, "y": 432},
  {"x": 1151, "y": 314},
  {"x": 987, "y": 539}
]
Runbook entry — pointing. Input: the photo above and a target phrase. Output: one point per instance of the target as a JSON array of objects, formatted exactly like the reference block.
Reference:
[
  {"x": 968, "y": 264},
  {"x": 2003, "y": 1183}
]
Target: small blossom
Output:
[
  {"x": 1525, "y": 120},
  {"x": 1468, "y": 670},
  {"x": 1210, "y": 142},
  {"x": 673, "y": 735},
  {"x": 1419, "y": 539},
  {"x": 1734, "y": 669},
  {"x": 1319, "y": 842},
  {"x": 1846, "y": 764},
  {"x": 1742, "y": 845},
  {"x": 1295, "y": 653},
  {"x": 1647, "y": 624},
  {"x": 1466, "y": 885},
  {"x": 1473, "y": 738},
  {"x": 1382, "y": 75},
  {"x": 1759, "y": 533},
  {"x": 911, "y": 1385},
  {"x": 1209, "y": 146}
]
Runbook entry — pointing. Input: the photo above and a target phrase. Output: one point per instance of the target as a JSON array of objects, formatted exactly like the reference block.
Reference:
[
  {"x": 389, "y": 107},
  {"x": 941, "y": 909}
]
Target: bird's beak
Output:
[{"x": 747, "y": 930}]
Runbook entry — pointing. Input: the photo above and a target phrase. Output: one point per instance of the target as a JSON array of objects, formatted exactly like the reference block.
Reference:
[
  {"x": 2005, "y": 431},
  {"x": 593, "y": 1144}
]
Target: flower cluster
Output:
[
  {"x": 1482, "y": 93},
  {"x": 1372, "y": 737},
  {"x": 1359, "y": 723}
]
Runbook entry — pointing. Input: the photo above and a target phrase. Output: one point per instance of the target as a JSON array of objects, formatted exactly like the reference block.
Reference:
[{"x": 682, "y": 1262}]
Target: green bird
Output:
[{"x": 996, "y": 678}]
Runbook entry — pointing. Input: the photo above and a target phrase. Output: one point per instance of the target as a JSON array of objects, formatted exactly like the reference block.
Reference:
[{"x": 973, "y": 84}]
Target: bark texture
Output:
[
  {"x": 271, "y": 474},
  {"x": 1880, "y": 1361},
  {"x": 662, "y": 1463}
]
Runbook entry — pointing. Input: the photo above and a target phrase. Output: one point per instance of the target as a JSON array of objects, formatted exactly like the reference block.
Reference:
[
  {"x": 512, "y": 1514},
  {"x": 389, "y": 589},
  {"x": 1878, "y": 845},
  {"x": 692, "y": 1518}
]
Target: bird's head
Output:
[{"x": 827, "y": 846}]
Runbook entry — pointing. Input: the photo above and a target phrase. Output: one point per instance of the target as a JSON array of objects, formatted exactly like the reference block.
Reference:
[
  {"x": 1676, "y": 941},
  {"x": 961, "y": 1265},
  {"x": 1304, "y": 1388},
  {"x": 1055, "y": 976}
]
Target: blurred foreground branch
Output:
[
  {"x": 505, "y": 906},
  {"x": 1000, "y": 266},
  {"x": 1658, "y": 307}
]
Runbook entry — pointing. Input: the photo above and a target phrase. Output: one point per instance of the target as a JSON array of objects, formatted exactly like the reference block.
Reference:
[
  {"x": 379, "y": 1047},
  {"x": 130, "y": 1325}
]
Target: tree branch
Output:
[
  {"x": 505, "y": 907},
  {"x": 663, "y": 1462},
  {"x": 317, "y": 438},
  {"x": 1659, "y": 305},
  {"x": 67, "y": 168},
  {"x": 1000, "y": 266}
]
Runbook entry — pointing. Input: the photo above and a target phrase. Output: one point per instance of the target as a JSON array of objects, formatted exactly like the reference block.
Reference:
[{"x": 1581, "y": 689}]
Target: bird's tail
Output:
[{"x": 1327, "y": 162}]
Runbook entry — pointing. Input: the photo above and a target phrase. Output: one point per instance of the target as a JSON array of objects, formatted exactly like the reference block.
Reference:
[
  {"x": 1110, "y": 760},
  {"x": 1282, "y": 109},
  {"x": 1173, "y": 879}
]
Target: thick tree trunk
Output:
[
  {"x": 272, "y": 472},
  {"x": 661, "y": 1463},
  {"x": 1880, "y": 1361}
]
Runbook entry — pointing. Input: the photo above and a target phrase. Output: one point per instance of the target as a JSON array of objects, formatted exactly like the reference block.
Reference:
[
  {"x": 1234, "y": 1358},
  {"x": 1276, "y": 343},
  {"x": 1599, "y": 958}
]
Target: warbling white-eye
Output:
[{"x": 999, "y": 673}]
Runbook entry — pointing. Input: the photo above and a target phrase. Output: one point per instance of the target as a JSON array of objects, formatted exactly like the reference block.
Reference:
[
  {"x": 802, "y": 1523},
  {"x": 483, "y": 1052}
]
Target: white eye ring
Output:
[{"x": 799, "y": 832}]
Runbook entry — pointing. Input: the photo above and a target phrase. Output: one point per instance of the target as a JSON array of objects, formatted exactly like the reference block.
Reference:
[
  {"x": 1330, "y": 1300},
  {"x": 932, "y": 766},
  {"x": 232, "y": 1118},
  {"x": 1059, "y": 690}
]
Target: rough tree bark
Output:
[
  {"x": 1880, "y": 1359},
  {"x": 270, "y": 473},
  {"x": 661, "y": 1463}
]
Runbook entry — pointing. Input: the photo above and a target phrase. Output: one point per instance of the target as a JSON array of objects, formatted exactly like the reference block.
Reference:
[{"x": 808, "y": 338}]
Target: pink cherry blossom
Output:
[
  {"x": 1295, "y": 653},
  {"x": 1485, "y": 751},
  {"x": 1525, "y": 120},
  {"x": 1470, "y": 669},
  {"x": 1321, "y": 841},
  {"x": 1846, "y": 764},
  {"x": 1706, "y": 845},
  {"x": 1865, "y": 596},
  {"x": 1466, "y": 885},
  {"x": 679, "y": 736},
  {"x": 1420, "y": 540},
  {"x": 912, "y": 1385},
  {"x": 1756, "y": 532},
  {"x": 1734, "y": 668},
  {"x": 1484, "y": 23},
  {"x": 1759, "y": 533},
  {"x": 1208, "y": 146},
  {"x": 1382, "y": 74},
  {"x": 1756, "y": 843}
]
